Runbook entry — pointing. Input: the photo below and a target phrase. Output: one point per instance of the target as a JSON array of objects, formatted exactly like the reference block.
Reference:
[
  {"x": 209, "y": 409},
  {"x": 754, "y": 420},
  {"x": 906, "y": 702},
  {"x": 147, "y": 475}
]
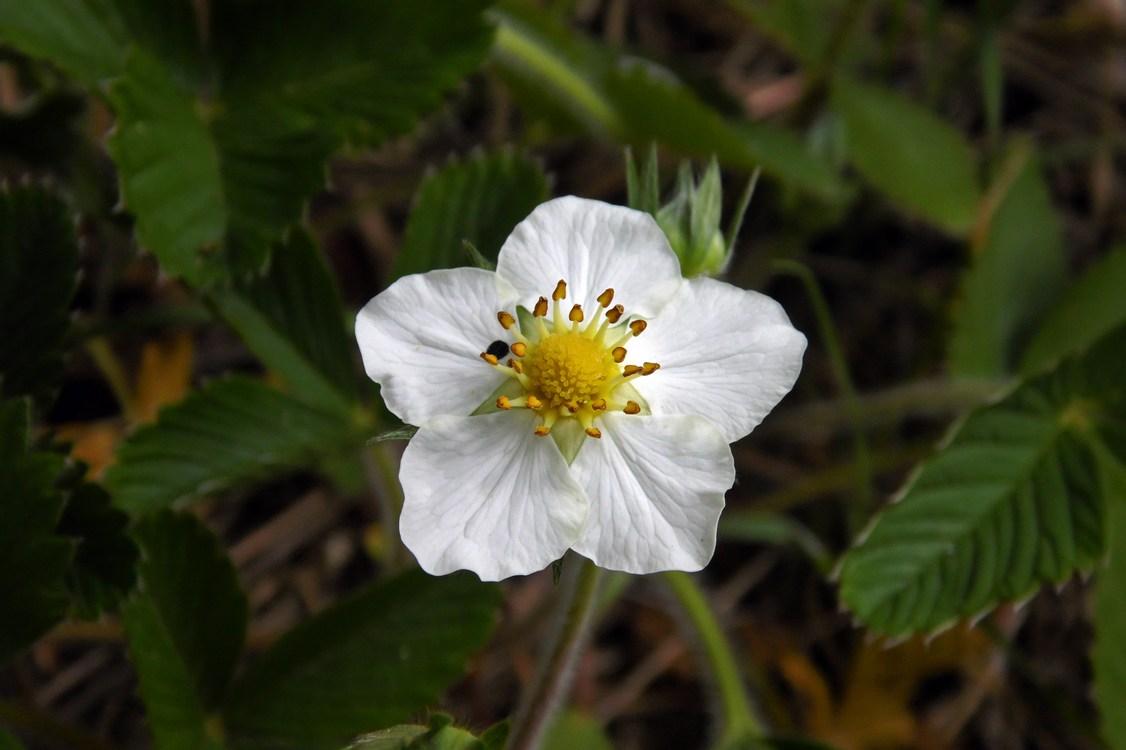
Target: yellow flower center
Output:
[
  {"x": 569, "y": 367},
  {"x": 567, "y": 370}
]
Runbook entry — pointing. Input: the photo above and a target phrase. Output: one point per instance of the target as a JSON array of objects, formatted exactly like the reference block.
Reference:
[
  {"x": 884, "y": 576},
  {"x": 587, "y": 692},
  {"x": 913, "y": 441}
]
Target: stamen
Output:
[
  {"x": 649, "y": 368},
  {"x": 542, "y": 430},
  {"x": 571, "y": 406},
  {"x": 490, "y": 358},
  {"x": 637, "y": 326},
  {"x": 594, "y": 432},
  {"x": 534, "y": 403},
  {"x": 576, "y": 314},
  {"x": 504, "y": 403},
  {"x": 560, "y": 290},
  {"x": 606, "y": 298},
  {"x": 506, "y": 320},
  {"x": 516, "y": 365},
  {"x": 598, "y": 404},
  {"x": 519, "y": 348},
  {"x": 615, "y": 313},
  {"x": 619, "y": 353},
  {"x": 540, "y": 310},
  {"x": 630, "y": 370},
  {"x": 632, "y": 407}
]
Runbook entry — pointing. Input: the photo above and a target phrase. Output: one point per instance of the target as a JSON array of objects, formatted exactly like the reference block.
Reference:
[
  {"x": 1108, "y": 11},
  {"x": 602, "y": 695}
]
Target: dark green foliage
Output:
[
  {"x": 103, "y": 571},
  {"x": 370, "y": 661},
  {"x": 479, "y": 200}
]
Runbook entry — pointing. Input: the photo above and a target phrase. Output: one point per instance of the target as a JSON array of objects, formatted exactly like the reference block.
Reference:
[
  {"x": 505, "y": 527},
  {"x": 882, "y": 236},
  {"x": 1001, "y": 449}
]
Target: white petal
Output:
[
  {"x": 421, "y": 340},
  {"x": 656, "y": 487},
  {"x": 485, "y": 494},
  {"x": 592, "y": 246},
  {"x": 725, "y": 353}
]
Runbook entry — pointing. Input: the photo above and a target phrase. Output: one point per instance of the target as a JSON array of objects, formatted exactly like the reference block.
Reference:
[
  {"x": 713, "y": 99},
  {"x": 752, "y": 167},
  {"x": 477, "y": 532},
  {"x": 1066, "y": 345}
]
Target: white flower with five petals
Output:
[{"x": 548, "y": 422}]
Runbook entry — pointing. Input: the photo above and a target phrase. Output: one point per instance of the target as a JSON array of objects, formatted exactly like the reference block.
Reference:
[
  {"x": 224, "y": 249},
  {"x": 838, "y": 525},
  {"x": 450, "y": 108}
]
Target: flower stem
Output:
[
  {"x": 829, "y": 338},
  {"x": 557, "y": 671},
  {"x": 739, "y": 721}
]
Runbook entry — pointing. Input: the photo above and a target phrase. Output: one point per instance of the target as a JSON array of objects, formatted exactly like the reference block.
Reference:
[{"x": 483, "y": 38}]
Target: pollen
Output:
[{"x": 569, "y": 368}]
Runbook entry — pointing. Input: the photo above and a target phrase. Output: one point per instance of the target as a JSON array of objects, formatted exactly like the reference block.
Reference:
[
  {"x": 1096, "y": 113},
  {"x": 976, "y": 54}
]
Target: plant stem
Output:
[
  {"x": 556, "y": 673},
  {"x": 837, "y": 361},
  {"x": 739, "y": 721}
]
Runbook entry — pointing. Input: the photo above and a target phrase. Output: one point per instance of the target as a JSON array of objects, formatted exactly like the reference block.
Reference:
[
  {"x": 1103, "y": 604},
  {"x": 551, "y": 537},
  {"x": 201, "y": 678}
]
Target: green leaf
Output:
[
  {"x": 32, "y": 559},
  {"x": 1108, "y": 655},
  {"x": 370, "y": 661},
  {"x": 575, "y": 80},
  {"x": 85, "y": 38},
  {"x": 803, "y": 27},
  {"x": 439, "y": 735},
  {"x": 170, "y": 30},
  {"x": 910, "y": 155},
  {"x": 366, "y": 70},
  {"x": 291, "y": 317},
  {"x": 38, "y": 273},
  {"x": 1018, "y": 271},
  {"x": 479, "y": 200},
  {"x": 1090, "y": 307},
  {"x": 229, "y": 431},
  {"x": 1014, "y": 500},
  {"x": 572, "y": 729},
  {"x": 103, "y": 571},
  {"x": 185, "y": 628}
]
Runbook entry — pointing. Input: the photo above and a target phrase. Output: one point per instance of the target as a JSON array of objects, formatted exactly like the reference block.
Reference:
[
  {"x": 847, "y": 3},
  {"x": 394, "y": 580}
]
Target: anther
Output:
[
  {"x": 506, "y": 320},
  {"x": 516, "y": 365},
  {"x": 519, "y": 349},
  {"x": 576, "y": 314},
  {"x": 606, "y": 298},
  {"x": 649, "y": 368},
  {"x": 534, "y": 403},
  {"x": 540, "y": 310},
  {"x": 560, "y": 291},
  {"x": 490, "y": 358},
  {"x": 571, "y": 406},
  {"x": 615, "y": 313},
  {"x": 632, "y": 407},
  {"x": 637, "y": 327},
  {"x": 629, "y": 370},
  {"x": 504, "y": 403},
  {"x": 594, "y": 432},
  {"x": 598, "y": 404},
  {"x": 619, "y": 354},
  {"x": 542, "y": 430}
]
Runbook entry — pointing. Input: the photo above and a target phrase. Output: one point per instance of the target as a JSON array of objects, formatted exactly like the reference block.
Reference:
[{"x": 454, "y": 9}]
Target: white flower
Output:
[{"x": 493, "y": 366}]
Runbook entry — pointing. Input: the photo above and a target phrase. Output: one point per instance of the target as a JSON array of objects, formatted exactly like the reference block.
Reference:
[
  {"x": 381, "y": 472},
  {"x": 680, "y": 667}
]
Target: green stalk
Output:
[
  {"x": 739, "y": 721},
  {"x": 541, "y": 703},
  {"x": 829, "y": 338}
]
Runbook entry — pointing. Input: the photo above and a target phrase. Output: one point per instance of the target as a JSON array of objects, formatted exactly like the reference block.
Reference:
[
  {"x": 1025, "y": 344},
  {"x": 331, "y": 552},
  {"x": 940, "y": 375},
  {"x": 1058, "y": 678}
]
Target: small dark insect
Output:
[{"x": 498, "y": 349}]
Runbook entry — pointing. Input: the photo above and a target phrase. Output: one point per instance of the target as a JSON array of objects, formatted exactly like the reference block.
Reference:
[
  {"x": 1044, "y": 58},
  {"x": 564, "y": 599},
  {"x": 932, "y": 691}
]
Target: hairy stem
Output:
[{"x": 557, "y": 671}]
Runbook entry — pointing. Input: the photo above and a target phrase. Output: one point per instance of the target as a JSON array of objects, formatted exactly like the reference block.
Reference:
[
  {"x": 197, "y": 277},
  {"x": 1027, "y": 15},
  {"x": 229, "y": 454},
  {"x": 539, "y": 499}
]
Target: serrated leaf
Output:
[
  {"x": 367, "y": 662},
  {"x": 572, "y": 729},
  {"x": 479, "y": 200},
  {"x": 1014, "y": 500},
  {"x": 230, "y": 431},
  {"x": 439, "y": 735},
  {"x": 103, "y": 571},
  {"x": 907, "y": 153},
  {"x": 38, "y": 274},
  {"x": 185, "y": 628},
  {"x": 291, "y": 317},
  {"x": 32, "y": 558},
  {"x": 635, "y": 101},
  {"x": 86, "y": 39},
  {"x": 1019, "y": 269},
  {"x": 1090, "y": 307},
  {"x": 366, "y": 70}
]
